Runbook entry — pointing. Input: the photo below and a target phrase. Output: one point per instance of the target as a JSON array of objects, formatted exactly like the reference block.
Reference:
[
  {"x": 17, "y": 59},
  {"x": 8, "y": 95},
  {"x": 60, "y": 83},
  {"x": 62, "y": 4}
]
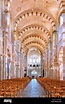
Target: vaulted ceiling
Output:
[{"x": 35, "y": 21}]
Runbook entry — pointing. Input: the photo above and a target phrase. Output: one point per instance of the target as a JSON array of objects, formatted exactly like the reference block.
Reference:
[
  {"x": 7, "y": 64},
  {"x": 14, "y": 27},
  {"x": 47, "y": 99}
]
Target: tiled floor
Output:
[{"x": 33, "y": 89}]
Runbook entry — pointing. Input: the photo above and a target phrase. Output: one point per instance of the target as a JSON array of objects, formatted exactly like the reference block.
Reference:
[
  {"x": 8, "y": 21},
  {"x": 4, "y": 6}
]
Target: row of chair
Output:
[
  {"x": 53, "y": 87},
  {"x": 12, "y": 87}
]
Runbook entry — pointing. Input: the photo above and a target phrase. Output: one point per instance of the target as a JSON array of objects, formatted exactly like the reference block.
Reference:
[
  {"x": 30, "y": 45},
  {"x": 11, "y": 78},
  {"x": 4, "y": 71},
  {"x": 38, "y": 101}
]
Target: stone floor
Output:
[{"x": 33, "y": 89}]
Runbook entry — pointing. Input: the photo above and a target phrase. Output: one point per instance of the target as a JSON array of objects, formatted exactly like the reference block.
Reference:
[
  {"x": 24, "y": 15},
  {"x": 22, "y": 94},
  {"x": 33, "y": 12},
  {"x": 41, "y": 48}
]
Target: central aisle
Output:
[{"x": 33, "y": 89}]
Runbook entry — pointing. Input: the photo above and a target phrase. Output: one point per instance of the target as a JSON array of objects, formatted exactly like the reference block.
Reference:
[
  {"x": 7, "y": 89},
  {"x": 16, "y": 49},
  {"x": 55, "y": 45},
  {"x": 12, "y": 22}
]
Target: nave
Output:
[
  {"x": 27, "y": 87},
  {"x": 32, "y": 43},
  {"x": 33, "y": 89}
]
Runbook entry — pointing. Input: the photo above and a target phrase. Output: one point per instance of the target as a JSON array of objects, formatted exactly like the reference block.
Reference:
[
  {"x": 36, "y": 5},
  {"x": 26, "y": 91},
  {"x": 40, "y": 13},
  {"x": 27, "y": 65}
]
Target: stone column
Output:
[
  {"x": 20, "y": 63},
  {"x": 5, "y": 30},
  {"x": 41, "y": 64},
  {"x": 4, "y": 57},
  {"x": 22, "y": 57},
  {"x": 25, "y": 64},
  {"x": 1, "y": 9},
  {"x": 17, "y": 58},
  {"x": 48, "y": 60},
  {"x": 3, "y": 34},
  {"x": 47, "y": 71},
  {"x": 45, "y": 64},
  {"x": 55, "y": 68},
  {"x": 63, "y": 40},
  {"x": 62, "y": 27},
  {"x": 51, "y": 65}
]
